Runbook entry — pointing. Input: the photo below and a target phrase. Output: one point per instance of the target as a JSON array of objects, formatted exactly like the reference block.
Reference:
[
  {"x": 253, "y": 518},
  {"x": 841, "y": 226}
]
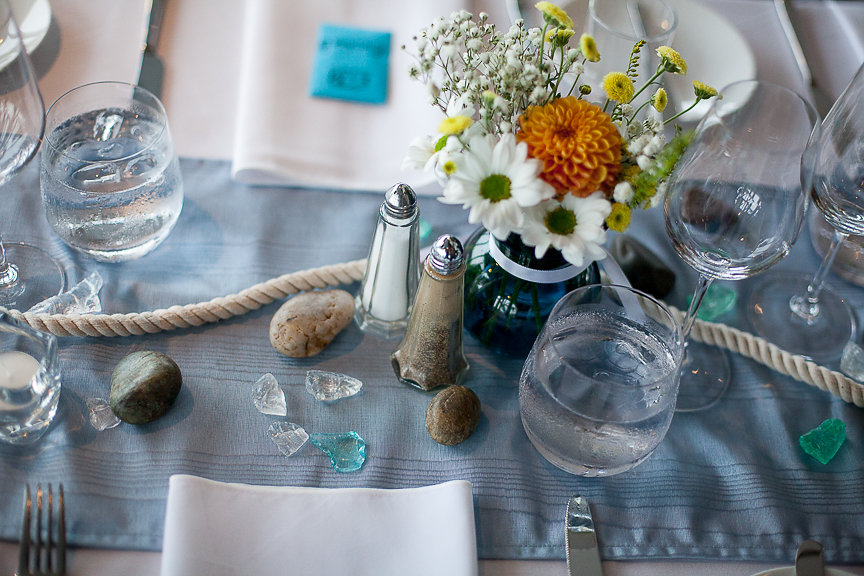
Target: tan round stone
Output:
[
  {"x": 308, "y": 322},
  {"x": 453, "y": 415}
]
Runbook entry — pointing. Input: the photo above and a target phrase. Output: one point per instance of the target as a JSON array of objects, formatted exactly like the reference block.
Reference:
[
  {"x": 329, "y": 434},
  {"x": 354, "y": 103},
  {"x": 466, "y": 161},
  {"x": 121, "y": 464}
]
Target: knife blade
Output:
[
  {"x": 810, "y": 561},
  {"x": 815, "y": 93},
  {"x": 583, "y": 557},
  {"x": 152, "y": 70}
]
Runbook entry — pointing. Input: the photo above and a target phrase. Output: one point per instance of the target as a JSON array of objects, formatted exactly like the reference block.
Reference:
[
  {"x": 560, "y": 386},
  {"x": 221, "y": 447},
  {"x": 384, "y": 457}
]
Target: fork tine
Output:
[
  {"x": 24, "y": 546},
  {"x": 61, "y": 533},
  {"x": 49, "y": 544},
  {"x": 38, "y": 560}
]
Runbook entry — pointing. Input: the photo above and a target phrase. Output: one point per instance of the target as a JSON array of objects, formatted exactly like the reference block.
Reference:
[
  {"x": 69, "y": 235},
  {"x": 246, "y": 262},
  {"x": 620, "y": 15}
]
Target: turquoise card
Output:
[{"x": 351, "y": 64}]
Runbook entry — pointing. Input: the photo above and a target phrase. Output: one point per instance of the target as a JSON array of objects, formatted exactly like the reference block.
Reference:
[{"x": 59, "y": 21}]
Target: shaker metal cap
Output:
[
  {"x": 446, "y": 255},
  {"x": 400, "y": 201}
]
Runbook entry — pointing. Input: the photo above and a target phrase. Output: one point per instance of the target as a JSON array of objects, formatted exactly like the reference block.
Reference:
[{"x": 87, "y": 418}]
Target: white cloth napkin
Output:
[
  {"x": 222, "y": 529},
  {"x": 286, "y": 137}
]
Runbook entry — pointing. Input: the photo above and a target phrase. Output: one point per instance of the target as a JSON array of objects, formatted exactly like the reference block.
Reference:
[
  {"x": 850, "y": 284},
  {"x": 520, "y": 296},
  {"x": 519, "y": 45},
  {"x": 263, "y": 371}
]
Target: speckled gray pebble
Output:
[
  {"x": 308, "y": 322},
  {"x": 453, "y": 415},
  {"x": 144, "y": 385}
]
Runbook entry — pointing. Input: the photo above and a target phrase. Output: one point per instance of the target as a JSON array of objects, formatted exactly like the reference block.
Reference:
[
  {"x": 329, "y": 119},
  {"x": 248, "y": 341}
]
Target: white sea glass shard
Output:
[
  {"x": 83, "y": 298},
  {"x": 331, "y": 386},
  {"x": 268, "y": 396},
  {"x": 852, "y": 361},
  {"x": 101, "y": 416},
  {"x": 288, "y": 437}
]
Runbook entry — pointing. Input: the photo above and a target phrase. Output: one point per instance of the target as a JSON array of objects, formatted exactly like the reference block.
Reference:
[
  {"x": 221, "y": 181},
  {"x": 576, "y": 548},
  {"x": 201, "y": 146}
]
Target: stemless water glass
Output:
[
  {"x": 799, "y": 313},
  {"x": 29, "y": 381},
  {"x": 110, "y": 178},
  {"x": 598, "y": 389},
  {"x": 735, "y": 205}
]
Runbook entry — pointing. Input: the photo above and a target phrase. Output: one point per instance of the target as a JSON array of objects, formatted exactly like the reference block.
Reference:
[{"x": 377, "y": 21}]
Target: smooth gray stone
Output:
[
  {"x": 144, "y": 385},
  {"x": 453, "y": 415},
  {"x": 644, "y": 270}
]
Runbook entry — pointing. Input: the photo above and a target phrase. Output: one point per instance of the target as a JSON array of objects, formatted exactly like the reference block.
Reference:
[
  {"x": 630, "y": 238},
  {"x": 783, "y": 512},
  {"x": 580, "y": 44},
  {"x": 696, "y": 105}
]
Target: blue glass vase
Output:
[{"x": 506, "y": 311}]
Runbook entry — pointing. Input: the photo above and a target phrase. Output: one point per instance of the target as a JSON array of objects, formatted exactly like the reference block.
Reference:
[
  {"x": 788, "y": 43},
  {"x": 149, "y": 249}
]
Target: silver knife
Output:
[
  {"x": 583, "y": 558},
  {"x": 817, "y": 95},
  {"x": 152, "y": 70},
  {"x": 810, "y": 561}
]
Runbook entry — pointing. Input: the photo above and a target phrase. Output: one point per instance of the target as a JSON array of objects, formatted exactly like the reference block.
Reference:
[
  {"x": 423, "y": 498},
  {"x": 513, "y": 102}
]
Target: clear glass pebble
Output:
[
  {"x": 83, "y": 298},
  {"x": 331, "y": 386},
  {"x": 852, "y": 361},
  {"x": 101, "y": 416},
  {"x": 288, "y": 437},
  {"x": 268, "y": 396},
  {"x": 347, "y": 451}
]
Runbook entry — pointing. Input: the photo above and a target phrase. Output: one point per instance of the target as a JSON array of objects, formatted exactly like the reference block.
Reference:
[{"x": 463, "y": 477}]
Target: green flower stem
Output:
[
  {"x": 535, "y": 303},
  {"x": 560, "y": 76},
  {"x": 650, "y": 81},
  {"x": 636, "y": 112},
  {"x": 684, "y": 111},
  {"x": 542, "y": 42}
]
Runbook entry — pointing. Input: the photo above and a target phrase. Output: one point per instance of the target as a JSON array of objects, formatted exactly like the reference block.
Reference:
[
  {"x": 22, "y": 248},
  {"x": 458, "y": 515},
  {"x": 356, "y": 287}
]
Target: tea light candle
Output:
[{"x": 17, "y": 369}]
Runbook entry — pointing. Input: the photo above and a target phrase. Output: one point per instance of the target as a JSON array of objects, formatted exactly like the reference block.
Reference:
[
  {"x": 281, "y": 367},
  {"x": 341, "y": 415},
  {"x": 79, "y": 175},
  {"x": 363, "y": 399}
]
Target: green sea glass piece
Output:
[
  {"x": 718, "y": 300},
  {"x": 823, "y": 442},
  {"x": 425, "y": 230},
  {"x": 347, "y": 451}
]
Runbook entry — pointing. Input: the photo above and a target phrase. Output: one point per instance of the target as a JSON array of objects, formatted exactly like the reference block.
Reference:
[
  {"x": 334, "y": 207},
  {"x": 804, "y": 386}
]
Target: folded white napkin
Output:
[
  {"x": 222, "y": 529},
  {"x": 284, "y": 136}
]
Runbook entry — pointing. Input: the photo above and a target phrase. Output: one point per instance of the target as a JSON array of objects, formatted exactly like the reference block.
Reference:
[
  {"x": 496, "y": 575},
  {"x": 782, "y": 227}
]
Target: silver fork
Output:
[{"x": 48, "y": 559}]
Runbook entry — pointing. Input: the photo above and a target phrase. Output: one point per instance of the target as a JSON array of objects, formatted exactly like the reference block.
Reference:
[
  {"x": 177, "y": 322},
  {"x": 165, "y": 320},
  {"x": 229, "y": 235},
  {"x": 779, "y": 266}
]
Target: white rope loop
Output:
[{"x": 254, "y": 297}]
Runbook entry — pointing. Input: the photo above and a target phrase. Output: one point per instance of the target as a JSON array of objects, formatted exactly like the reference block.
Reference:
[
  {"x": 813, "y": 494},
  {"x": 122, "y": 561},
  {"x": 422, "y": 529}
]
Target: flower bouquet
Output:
[{"x": 545, "y": 166}]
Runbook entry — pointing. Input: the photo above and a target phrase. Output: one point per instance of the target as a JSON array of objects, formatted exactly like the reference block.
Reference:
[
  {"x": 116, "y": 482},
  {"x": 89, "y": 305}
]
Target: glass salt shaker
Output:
[
  {"x": 430, "y": 354},
  {"x": 393, "y": 267}
]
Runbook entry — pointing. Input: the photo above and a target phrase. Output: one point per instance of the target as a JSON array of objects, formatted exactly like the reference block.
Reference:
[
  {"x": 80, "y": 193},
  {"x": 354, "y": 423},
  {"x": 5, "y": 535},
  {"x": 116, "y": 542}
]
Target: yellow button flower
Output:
[
  {"x": 660, "y": 100},
  {"x": 619, "y": 219},
  {"x": 554, "y": 15},
  {"x": 703, "y": 91},
  {"x": 454, "y": 125},
  {"x": 588, "y": 47},
  {"x": 618, "y": 86},
  {"x": 672, "y": 60},
  {"x": 559, "y": 36}
]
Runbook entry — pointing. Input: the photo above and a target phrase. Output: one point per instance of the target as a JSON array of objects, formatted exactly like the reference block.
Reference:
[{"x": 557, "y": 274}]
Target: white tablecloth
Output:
[{"x": 201, "y": 49}]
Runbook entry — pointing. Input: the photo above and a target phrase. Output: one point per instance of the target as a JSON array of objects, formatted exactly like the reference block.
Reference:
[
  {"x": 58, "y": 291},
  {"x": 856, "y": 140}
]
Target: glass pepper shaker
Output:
[
  {"x": 393, "y": 267},
  {"x": 430, "y": 354}
]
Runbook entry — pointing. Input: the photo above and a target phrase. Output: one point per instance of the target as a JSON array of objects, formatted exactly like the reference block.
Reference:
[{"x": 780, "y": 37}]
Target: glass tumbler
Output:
[
  {"x": 597, "y": 392},
  {"x": 29, "y": 381},
  {"x": 110, "y": 178}
]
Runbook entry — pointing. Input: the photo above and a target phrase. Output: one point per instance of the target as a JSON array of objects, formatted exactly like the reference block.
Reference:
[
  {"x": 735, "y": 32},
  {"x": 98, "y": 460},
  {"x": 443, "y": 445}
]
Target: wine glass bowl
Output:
[{"x": 734, "y": 204}]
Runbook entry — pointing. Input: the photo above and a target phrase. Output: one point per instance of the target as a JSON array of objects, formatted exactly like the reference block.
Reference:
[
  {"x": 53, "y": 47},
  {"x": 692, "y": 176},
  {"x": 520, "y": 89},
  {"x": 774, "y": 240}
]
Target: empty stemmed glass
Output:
[
  {"x": 27, "y": 274},
  {"x": 735, "y": 205},
  {"x": 798, "y": 313}
]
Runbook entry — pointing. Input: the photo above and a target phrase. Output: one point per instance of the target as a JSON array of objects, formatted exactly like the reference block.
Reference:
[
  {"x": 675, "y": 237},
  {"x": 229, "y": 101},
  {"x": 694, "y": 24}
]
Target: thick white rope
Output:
[{"x": 253, "y": 298}]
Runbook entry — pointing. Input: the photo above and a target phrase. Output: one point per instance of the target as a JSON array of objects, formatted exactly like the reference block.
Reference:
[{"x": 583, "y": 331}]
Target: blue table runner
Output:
[{"x": 730, "y": 482}]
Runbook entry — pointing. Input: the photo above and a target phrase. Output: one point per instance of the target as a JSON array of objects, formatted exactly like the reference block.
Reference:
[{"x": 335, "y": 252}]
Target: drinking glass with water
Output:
[
  {"x": 598, "y": 389},
  {"x": 110, "y": 178}
]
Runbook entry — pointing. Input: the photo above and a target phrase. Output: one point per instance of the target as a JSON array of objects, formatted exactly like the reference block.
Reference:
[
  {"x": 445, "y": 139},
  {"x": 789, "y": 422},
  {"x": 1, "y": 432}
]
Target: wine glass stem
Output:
[
  {"x": 806, "y": 305},
  {"x": 8, "y": 272},
  {"x": 702, "y": 286}
]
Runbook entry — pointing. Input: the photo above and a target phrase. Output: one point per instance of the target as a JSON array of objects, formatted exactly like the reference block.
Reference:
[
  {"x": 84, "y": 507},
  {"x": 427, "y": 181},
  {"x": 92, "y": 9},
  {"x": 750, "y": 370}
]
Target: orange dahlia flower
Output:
[{"x": 576, "y": 141}]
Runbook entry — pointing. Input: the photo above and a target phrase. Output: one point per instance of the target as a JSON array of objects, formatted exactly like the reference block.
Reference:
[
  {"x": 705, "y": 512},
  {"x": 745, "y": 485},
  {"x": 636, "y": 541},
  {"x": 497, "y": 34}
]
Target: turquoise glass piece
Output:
[
  {"x": 823, "y": 442},
  {"x": 425, "y": 230},
  {"x": 347, "y": 450},
  {"x": 718, "y": 300}
]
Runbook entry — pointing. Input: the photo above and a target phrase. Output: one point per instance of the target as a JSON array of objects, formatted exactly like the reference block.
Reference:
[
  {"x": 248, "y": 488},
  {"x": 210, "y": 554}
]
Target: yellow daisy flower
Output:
[
  {"x": 672, "y": 60},
  {"x": 618, "y": 86},
  {"x": 588, "y": 47},
  {"x": 554, "y": 15},
  {"x": 660, "y": 100},
  {"x": 703, "y": 91},
  {"x": 454, "y": 125},
  {"x": 619, "y": 219}
]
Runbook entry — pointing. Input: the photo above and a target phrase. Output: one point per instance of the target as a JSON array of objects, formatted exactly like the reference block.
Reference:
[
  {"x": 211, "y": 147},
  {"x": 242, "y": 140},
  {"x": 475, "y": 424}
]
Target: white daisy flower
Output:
[
  {"x": 420, "y": 150},
  {"x": 575, "y": 226},
  {"x": 495, "y": 179}
]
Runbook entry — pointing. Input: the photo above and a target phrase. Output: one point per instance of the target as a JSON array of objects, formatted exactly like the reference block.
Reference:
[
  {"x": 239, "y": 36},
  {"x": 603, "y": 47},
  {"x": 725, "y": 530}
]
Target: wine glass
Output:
[
  {"x": 735, "y": 205},
  {"x": 799, "y": 313},
  {"x": 27, "y": 274}
]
